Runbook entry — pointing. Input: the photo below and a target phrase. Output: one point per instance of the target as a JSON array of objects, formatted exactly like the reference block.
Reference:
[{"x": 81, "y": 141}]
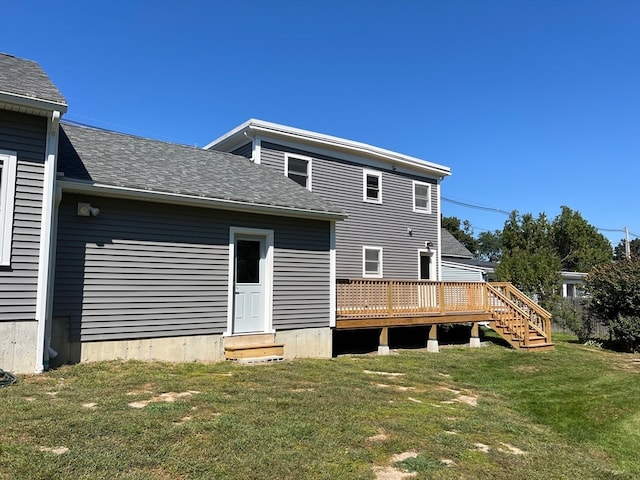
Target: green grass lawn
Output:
[{"x": 482, "y": 413}]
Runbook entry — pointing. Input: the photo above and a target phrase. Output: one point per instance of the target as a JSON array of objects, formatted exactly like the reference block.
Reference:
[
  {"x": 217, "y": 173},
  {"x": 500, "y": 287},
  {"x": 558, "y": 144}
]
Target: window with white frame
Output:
[
  {"x": 421, "y": 197},
  {"x": 372, "y": 262},
  {"x": 8, "y": 168},
  {"x": 372, "y": 186},
  {"x": 298, "y": 169}
]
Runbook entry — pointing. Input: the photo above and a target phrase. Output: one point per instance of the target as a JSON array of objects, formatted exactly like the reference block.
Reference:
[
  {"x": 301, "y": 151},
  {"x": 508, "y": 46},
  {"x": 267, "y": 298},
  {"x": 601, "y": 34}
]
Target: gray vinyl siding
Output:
[
  {"x": 453, "y": 273},
  {"x": 245, "y": 150},
  {"x": 146, "y": 270},
  {"x": 375, "y": 225},
  {"x": 25, "y": 135}
]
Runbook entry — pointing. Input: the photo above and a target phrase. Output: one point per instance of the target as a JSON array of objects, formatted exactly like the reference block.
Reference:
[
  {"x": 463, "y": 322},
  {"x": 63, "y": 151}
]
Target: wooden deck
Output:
[{"x": 373, "y": 303}]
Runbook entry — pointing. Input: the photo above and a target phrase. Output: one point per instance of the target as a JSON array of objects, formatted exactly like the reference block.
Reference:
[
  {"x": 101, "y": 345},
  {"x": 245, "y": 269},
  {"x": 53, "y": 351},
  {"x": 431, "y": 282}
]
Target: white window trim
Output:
[
  {"x": 417, "y": 209},
  {"x": 7, "y": 202},
  {"x": 364, "y": 262},
  {"x": 268, "y": 290},
  {"x": 374, "y": 173},
  {"x": 287, "y": 156}
]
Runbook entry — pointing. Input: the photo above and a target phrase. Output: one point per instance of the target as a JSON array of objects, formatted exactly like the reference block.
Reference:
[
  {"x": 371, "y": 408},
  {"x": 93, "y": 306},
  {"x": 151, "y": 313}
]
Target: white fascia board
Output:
[
  {"x": 46, "y": 106},
  {"x": 190, "y": 200},
  {"x": 573, "y": 275},
  {"x": 253, "y": 127}
]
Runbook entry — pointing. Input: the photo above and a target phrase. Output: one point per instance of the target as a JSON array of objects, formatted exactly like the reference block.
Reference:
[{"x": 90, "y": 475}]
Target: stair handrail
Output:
[
  {"x": 520, "y": 314},
  {"x": 542, "y": 314}
]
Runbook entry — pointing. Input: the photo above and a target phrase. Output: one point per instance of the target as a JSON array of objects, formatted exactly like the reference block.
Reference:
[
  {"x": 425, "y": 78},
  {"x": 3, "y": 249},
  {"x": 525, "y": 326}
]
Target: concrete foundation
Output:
[
  {"x": 474, "y": 342},
  {"x": 311, "y": 342},
  {"x": 306, "y": 342},
  {"x": 432, "y": 346},
  {"x": 18, "y": 345}
]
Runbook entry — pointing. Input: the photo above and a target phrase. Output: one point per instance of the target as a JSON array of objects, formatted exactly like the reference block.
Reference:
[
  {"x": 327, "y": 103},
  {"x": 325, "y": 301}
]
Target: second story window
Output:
[
  {"x": 8, "y": 168},
  {"x": 421, "y": 197},
  {"x": 372, "y": 186},
  {"x": 298, "y": 169}
]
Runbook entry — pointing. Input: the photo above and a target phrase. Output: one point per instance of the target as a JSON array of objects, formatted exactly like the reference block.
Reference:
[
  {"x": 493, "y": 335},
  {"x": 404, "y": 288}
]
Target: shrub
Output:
[{"x": 627, "y": 330}]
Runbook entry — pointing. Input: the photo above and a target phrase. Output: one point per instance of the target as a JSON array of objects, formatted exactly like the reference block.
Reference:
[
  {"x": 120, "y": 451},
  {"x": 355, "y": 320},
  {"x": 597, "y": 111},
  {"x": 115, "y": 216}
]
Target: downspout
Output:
[{"x": 47, "y": 242}]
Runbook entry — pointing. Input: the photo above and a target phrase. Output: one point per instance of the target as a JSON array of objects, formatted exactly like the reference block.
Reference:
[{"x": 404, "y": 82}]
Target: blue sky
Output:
[{"x": 532, "y": 104}]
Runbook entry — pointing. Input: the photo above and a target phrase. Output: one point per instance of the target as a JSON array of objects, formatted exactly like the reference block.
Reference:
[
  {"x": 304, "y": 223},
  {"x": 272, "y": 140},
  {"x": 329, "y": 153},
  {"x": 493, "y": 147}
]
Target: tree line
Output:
[{"x": 531, "y": 252}]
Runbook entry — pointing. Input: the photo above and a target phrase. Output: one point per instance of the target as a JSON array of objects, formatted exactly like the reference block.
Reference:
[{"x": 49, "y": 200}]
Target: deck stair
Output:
[
  {"x": 519, "y": 320},
  {"x": 255, "y": 348}
]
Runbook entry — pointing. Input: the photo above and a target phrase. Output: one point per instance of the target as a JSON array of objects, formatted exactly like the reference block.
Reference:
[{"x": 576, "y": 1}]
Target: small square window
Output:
[
  {"x": 372, "y": 262},
  {"x": 421, "y": 197},
  {"x": 298, "y": 169},
  {"x": 372, "y": 186}
]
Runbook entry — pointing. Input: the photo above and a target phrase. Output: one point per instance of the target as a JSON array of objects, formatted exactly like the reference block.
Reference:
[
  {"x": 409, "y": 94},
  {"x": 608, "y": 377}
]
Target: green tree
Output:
[
  {"x": 619, "y": 252},
  {"x": 464, "y": 235},
  {"x": 578, "y": 244},
  {"x": 490, "y": 246},
  {"x": 615, "y": 299},
  {"x": 529, "y": 259}
]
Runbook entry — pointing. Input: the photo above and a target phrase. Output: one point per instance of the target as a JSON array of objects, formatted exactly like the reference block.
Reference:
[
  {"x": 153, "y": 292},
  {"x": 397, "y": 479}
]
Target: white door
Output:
[{"x": 249, "y": 284}]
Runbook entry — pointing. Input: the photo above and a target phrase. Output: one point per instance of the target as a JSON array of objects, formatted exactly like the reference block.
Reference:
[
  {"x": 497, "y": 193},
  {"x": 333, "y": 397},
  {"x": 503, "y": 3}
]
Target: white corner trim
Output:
[
  {"x": 374, "y": 173},
  {"x": 8, "y": 177},
  {"x": 439, "y": 230},
  {"x": 256, "y": 150},
  {"x": 268, "y": 235},
  {"x": 332, "y": 278},
  {"x": 46, "y": 261}
]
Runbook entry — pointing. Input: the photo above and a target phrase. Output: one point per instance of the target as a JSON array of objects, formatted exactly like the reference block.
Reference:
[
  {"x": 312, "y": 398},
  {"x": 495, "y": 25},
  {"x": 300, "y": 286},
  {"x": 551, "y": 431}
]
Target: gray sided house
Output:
[
  {"x": 171, "y": 252},
  {"x": 30, "y": 110},
  {"x": 392, "y": 200},
  {"x": 459, "y": 264}
]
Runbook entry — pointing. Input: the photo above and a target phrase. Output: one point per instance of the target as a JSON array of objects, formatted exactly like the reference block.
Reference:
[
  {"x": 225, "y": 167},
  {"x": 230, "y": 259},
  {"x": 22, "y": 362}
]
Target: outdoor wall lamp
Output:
[{"x": 86, "y": 210}]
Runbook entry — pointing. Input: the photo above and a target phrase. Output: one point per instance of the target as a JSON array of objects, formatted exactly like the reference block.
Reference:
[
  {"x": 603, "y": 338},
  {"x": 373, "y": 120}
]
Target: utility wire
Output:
[{"x": 504, "y": 212}]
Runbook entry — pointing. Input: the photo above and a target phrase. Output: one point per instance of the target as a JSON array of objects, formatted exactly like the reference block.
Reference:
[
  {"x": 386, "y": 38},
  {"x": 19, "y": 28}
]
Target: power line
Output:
[{"x": 504, "y": 212}]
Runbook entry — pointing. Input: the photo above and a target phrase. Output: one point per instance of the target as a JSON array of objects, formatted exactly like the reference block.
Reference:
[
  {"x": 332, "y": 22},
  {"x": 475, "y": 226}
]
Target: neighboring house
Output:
[
  {"x": 163, "y": 251},
  {"x": 392, "y": 200},
  {"x": 459, "y": 264},
  {"x": 573, "y": 284}
]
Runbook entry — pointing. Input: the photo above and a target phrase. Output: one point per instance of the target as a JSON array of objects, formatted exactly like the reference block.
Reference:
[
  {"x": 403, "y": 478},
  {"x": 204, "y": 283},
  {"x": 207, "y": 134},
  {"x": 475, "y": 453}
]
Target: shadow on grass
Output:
[{"x": 367, "y": 340}]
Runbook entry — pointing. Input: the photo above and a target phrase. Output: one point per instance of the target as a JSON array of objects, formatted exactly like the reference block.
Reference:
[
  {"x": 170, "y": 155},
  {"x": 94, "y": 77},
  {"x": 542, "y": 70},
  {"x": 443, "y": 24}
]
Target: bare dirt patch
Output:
[
  {"x": 381, "y": 436},
  {"x": 55, "y": 450},
  {"x": 511, "y": 449},
  {"x": 481, "y": 447},
  {"x": 90, "y": 406},
  {"x": 386, "y": 374},
  {"x": 168, "y": 397}
]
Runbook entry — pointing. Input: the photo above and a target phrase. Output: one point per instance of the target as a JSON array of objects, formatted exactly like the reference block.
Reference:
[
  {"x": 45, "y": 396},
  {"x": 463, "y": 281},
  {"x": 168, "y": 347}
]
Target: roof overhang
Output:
[
  {"x": 30, "y": 105},
  {"x": 90, "y": 188},
  {"x": 259, "y": 128}
]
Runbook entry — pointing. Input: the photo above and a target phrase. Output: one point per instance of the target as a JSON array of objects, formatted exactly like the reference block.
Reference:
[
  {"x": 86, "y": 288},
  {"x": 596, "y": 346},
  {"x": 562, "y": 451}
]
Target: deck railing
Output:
[
  {"x": 362, "y": 298},
  {"x": 382, "y": 298}
]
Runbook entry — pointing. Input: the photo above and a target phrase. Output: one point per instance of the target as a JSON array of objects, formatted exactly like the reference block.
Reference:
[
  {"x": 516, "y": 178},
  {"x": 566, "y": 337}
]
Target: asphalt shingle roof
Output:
[
  {"x": 451, "y": 247},
  {"x": 26, "y": 78},
  {"x": 115, "y": 159}
]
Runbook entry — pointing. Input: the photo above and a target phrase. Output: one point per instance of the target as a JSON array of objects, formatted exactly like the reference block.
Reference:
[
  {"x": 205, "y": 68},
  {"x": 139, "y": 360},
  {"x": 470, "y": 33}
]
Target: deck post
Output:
[
  {"x": 383, "y": 347},
  {"x": 432, "y": 343},
  {"x": 474, "y": 342}
]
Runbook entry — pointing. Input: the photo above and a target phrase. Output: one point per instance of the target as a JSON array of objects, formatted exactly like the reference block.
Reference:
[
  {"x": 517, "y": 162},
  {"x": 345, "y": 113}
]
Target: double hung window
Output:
[
  {"x": 421, "y": 197},
  {"x": 372, "y": 262},
  {"x": 298, "y": 169},
  {"x": 372, "y": 186}
]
